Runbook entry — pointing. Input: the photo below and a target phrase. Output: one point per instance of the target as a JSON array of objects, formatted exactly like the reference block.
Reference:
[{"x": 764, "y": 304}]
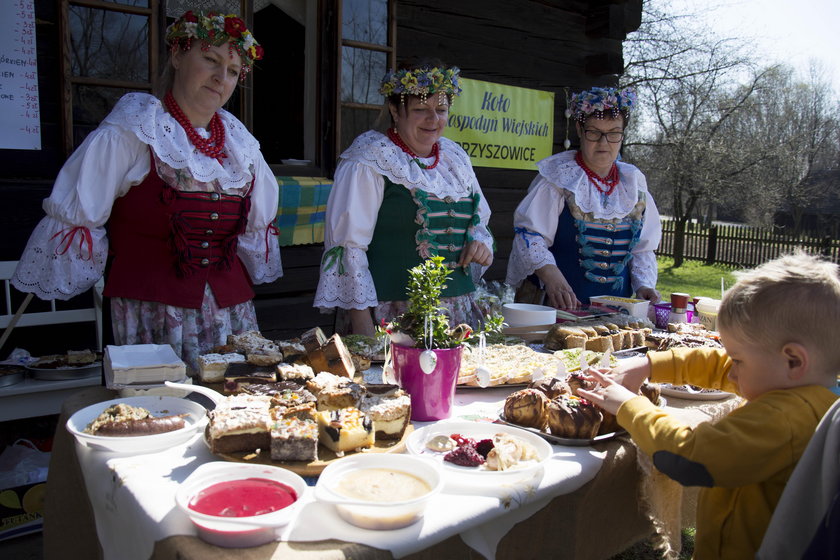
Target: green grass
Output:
[{"x": 693, "y": 278}]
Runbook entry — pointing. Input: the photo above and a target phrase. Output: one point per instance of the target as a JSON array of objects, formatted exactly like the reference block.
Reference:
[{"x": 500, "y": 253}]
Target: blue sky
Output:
[{"x": 790, "y": 31}]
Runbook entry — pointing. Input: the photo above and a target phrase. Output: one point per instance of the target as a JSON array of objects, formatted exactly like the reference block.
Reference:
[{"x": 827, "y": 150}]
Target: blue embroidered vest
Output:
[{"x": 594, "y": 255}]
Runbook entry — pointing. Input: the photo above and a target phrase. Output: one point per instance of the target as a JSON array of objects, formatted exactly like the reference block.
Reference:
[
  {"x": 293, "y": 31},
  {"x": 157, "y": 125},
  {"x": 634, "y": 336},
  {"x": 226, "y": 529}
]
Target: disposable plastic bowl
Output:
[
  {"x": 528, "y": 314},
  {"x": 379, "y": 515},
  {"x": 238, "y": 532}
]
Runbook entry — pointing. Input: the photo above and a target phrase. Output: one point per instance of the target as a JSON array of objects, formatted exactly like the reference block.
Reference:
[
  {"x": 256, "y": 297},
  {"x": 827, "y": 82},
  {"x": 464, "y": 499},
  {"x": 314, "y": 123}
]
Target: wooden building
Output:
[{"x": 311, "y": 95}]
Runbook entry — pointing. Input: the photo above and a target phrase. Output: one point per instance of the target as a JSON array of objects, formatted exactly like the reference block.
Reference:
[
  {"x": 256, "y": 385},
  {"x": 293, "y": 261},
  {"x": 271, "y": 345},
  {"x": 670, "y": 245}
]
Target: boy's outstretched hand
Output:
[{"x": 609, "y": 396}]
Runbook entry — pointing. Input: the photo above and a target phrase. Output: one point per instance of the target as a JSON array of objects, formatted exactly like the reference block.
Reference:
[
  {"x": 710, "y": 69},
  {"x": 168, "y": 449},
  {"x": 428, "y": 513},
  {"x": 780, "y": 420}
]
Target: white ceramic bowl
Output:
[
  {"x": 379, "y": 515},
  {"x": 528, "y": 314},
  {"x": 194, "y": 422},
  {"x": 238, "y": 532},
  {"x": 416, "y": 444}
]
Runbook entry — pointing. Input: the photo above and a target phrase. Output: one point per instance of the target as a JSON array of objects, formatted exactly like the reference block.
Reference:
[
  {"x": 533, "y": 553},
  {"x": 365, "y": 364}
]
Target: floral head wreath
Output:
[
  {"x": 422, "y": 82},
  {"x": 601, "y": 102},
  {"x": 215, "y": 29}
]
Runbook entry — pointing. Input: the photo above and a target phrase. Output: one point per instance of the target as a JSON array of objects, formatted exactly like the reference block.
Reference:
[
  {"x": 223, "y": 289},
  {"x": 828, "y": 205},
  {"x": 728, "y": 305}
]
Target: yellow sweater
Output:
[{"x": 743, "y": 461}]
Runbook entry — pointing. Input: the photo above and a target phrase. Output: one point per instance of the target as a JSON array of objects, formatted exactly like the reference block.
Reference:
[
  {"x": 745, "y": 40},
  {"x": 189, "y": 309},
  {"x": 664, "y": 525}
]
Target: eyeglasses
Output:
[{"x": 595, "y": 136}]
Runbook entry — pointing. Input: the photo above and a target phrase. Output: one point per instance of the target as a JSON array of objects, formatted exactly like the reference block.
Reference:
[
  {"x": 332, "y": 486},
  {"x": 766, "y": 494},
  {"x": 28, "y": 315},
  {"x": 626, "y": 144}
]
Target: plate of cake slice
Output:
[{"x": 306, "y": 428}]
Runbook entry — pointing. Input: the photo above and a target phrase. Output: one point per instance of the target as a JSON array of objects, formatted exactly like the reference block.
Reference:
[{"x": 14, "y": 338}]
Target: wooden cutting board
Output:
[{"x": 325, "y": 456}]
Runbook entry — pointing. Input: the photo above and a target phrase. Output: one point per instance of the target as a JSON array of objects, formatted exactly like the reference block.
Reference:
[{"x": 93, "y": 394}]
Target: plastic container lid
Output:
[
  {"x": 708, "y": 305},
  {"x": 679, "y": 300}
]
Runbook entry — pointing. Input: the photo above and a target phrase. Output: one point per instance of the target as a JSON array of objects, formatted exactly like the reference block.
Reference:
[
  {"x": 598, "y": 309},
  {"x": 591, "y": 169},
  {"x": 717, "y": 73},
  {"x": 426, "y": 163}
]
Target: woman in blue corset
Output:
[
  {"x": 588, "y": 225},
  {"x": 399, "y": 198}
]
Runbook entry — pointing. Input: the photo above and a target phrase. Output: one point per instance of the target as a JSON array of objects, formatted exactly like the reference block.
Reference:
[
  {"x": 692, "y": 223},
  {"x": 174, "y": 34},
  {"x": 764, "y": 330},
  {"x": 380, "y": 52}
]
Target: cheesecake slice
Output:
[{"x": 347, "y": 429}]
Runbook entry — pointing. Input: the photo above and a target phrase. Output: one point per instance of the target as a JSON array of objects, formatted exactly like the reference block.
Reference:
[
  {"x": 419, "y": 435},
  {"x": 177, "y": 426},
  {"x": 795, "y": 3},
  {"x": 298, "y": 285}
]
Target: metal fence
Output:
[{"x": 742, "y": 246}]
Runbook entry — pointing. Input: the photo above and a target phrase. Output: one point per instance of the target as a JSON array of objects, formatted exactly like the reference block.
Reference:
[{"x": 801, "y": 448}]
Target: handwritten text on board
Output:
[{"x": 20, "y": 117}]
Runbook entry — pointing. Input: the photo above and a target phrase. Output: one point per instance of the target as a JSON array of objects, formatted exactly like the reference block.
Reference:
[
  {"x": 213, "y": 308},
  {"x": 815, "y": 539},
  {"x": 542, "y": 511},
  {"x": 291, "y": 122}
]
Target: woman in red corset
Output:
[{"x": 174, "y": 192}]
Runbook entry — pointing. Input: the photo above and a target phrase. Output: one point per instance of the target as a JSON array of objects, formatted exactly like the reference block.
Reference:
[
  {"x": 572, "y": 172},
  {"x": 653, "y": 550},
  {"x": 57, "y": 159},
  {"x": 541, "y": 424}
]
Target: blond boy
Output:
[{"x": 780, "y": 325}]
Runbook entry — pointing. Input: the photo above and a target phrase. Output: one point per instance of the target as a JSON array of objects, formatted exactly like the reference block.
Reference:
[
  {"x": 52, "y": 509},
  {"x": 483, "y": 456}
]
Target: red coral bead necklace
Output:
[
  {"x": 394, "y": 136},
  {"x": 214, "y": 146},
  {"x": 610, "y": 180}
]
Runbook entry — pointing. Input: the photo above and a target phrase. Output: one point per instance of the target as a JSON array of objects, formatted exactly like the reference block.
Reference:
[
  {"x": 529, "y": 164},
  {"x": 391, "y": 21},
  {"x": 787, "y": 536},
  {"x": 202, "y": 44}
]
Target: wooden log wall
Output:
[{"x": 540, "y": 44}]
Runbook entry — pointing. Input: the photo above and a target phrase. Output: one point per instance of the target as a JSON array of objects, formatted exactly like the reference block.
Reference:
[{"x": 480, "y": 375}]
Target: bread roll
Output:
[
  {"x": 574, "y": 418},
  {"x": 527, "y": 408},
  {"x": 552, "y": 387}
]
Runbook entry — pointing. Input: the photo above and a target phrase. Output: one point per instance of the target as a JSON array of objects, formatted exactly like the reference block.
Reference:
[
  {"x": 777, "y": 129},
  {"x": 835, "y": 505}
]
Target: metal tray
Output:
[
  {"x": 9, "y": 375},
  {"x": 65, "y": 373},
  {"x": 557, "y": 440}
]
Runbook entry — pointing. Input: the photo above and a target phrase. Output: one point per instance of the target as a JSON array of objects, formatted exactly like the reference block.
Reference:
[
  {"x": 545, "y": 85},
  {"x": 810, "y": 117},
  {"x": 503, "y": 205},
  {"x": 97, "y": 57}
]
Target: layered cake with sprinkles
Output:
[
  {"x": 294, "y": 434},
  {"x": 239, "y": 423}
]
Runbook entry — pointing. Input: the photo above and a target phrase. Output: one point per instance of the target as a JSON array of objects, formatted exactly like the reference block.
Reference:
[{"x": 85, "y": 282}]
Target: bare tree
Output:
[
  {"x": 686, "y": 79},
  {"x": 716, "y": 130}
]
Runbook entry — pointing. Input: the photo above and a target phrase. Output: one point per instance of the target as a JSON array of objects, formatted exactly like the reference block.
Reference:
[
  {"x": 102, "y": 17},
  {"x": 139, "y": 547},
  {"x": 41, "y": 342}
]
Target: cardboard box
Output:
[
  {"x": 629, "y": 306},
  {"x": 22, "y": 510}
]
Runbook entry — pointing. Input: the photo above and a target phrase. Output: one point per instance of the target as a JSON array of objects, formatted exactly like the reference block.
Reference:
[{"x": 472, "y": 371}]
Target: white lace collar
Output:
[
  {"x": 144, "y": 116},
  {"x": 453, "y": 176},
  {"x": 563, "y": 172}
]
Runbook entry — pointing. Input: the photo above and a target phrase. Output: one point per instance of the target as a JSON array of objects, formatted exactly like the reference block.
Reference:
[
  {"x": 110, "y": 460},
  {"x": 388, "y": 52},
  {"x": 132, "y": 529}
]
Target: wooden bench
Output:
[{"x": 35, "y": 397}]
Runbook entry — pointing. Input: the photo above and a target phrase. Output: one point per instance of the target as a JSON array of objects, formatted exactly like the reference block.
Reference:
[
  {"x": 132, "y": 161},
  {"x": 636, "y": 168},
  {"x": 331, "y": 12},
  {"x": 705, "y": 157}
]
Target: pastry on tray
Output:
[
  {"x": 294, "y": 439},
  {"x": 389, "y": 407},
  {"x": 294, "y": 372},
  {"x": 212, "y": 367},
  {"x": 552, "y": 387},
  {"x": 528, "y": 407},
  {"x": 239, "y": 423},
  {"x": 347, "y": 429},
  {"x": 574, "y": 418},
  {"x": 507, "y": 364}
]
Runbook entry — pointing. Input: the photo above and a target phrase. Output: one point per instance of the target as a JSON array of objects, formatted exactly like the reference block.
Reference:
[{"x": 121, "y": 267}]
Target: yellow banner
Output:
[{"x": 502, "y": 126}]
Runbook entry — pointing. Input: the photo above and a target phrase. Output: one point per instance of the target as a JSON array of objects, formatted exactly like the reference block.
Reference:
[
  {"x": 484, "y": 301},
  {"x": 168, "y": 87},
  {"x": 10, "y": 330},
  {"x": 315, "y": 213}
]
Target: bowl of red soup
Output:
[{"x": 237, "y": 505}]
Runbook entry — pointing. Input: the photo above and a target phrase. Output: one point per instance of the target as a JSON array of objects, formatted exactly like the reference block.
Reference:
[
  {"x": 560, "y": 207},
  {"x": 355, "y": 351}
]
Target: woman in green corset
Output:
[{"x": 399, "y": 198}]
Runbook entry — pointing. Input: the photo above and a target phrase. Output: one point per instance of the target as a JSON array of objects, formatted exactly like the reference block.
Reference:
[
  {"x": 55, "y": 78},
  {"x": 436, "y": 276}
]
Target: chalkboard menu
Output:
[{"x": 20, "y": 120}]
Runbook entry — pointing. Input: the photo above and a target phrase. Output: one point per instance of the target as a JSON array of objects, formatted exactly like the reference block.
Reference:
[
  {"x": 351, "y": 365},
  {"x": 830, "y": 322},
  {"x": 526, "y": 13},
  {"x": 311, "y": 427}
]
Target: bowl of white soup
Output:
[{"x": 381, "y": 491}]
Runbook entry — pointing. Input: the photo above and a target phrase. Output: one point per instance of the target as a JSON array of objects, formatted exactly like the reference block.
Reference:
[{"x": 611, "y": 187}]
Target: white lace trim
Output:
[
  {"x": 453, "y": 176},
  {"x": 251, "y": 249},
  {"x": 526, "y": 258},
  {"x": 352, "y": 290},
  {"x": 50, "y": 275},
  {"x": 144, "y": 116},
  {"x": 643, "y": 270},
  {"x": 563, "y": 172}
]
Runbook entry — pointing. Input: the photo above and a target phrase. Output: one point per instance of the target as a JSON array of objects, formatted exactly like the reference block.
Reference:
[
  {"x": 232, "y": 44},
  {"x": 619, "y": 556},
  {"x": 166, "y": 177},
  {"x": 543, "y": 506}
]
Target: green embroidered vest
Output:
[{"x": 410, "y": 228}]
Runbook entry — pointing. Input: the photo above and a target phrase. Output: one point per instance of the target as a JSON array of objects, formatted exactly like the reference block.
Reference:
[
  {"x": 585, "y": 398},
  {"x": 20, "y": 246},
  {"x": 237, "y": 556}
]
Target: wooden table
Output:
[{"x": 604, "y": 517}]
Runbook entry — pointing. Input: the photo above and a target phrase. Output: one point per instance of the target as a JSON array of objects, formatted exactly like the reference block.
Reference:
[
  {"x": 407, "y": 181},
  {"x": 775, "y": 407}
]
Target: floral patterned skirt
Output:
[{"x": 190, "y": 332}]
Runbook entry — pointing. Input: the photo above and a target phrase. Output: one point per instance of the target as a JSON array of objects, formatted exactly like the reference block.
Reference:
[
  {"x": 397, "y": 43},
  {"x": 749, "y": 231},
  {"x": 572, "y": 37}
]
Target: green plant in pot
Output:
[{"x": 426, "y": 351}]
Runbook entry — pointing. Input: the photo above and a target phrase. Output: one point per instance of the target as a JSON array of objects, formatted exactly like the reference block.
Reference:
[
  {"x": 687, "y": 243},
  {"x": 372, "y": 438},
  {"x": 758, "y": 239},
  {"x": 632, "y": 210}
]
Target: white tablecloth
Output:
[{"x": 134, "y": 505}]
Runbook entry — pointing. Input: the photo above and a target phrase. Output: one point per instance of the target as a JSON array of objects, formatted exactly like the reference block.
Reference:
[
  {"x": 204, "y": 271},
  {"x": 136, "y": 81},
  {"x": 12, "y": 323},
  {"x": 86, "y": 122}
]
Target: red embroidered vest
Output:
[{"x": 166, "y": 244}]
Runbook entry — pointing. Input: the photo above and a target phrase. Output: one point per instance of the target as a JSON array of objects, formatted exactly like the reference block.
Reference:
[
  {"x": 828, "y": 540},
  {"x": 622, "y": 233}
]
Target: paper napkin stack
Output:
[{"x": 141, "y": 369}]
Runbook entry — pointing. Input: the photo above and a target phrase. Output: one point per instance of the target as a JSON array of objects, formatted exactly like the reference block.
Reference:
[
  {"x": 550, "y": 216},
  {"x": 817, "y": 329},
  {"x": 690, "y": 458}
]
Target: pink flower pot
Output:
[{"x": 432, "y": 394}]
